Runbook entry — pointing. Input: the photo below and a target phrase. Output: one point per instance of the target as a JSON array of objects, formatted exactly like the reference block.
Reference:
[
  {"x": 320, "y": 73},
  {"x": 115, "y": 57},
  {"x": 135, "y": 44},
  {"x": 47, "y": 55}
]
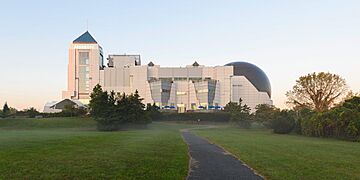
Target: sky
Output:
[{"x": 286, "y": 39}]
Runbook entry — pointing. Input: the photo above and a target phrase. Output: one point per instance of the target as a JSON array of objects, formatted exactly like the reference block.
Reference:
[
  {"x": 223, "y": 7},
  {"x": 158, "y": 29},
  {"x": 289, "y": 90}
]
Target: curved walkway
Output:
[{"x": 209, "y": 161}]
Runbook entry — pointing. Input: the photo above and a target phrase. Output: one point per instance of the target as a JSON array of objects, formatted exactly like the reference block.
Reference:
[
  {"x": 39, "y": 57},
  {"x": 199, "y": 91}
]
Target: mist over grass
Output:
[
  {"x": 71, "y": 148},
  {"x": 289, "y": 156}
]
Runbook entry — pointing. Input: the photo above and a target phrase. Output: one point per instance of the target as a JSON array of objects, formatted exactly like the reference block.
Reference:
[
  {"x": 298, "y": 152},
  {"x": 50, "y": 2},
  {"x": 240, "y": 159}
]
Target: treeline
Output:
[
  {"x": 115, "y": 111},
  {"x": 68, "y": 111},
  {"x": 341, "y": 121},
  {"x": 7, "y": 112}
]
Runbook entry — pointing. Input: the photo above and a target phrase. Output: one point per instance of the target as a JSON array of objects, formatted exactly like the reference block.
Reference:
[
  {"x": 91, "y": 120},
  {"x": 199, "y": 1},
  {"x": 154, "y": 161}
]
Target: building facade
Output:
[
  {"x": 85, "y": 63},
  {"x": 186, "y": 88}
]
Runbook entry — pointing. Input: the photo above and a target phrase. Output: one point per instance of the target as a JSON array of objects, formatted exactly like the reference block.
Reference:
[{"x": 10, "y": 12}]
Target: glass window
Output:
[
  {"x": 83, "y": 58},
  {"x": 83, "y": 79}
]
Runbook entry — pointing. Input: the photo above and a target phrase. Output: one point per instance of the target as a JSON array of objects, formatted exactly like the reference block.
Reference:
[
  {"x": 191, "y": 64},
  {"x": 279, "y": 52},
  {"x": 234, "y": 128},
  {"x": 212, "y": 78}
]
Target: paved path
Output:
[{"x": 209, "y": 161}]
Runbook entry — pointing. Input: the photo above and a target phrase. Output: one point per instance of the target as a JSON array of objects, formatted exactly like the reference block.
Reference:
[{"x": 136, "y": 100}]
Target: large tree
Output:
[
  {"x": 112, "y": 111},
  {"x": 318, "y": 91}
]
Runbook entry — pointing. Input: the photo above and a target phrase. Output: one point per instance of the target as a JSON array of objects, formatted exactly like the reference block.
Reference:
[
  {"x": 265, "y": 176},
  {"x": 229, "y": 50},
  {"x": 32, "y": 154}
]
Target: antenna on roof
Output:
[{"x": 87, "y": 25}]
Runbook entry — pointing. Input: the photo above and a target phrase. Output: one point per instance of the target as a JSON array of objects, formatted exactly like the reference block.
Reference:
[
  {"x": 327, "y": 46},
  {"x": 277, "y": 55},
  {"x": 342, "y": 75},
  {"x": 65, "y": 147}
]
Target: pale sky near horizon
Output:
[{"x": 286, "y": 39}]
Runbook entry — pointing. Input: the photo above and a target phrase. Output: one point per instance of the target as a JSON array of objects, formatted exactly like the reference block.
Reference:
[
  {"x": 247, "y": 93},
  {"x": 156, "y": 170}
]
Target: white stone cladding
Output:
[
  {"x": 182, "y": 93},
  {"x": 183, "y": 88}
]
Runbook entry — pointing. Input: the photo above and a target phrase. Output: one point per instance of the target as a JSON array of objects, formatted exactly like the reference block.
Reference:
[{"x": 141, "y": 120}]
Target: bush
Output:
[
  {"x": 153, "y": 111},
  {"x": 341, "y": 122},
  {"x": 239, "y": 114},
  {"x": 241, "y": 119},
  {"x": 194, "y": 116},
  {"x": 31, "y": 113},
  {"x": 265, "y": 113},
  {"x": 283, "y": 122},
  {"x": 301, "y": 114}
]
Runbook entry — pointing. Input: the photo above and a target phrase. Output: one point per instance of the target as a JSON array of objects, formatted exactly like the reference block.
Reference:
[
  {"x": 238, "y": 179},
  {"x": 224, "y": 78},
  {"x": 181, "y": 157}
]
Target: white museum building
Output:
[{"x": 193, "y": 87}]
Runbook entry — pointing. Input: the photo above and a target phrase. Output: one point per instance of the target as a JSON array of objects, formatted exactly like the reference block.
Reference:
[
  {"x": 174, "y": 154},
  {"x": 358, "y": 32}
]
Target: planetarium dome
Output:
[{"x": 254, "y": 74}]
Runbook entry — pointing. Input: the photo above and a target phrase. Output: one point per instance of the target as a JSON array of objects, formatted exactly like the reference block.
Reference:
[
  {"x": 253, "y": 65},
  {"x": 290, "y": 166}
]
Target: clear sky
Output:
[{"x": 284, "y": 38}]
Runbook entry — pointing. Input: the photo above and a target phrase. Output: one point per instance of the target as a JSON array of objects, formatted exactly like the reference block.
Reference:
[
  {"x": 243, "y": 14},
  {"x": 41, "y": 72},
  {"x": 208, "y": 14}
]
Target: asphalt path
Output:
[{"x": 209, "y": 161}]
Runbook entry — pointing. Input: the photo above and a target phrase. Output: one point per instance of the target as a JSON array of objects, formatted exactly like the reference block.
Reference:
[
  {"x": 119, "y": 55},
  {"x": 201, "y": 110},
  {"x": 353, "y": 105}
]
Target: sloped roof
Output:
[
  {"x": 85, "y": 38},
  {"x": 195, "y": 64},
  {"x": 151, "y": 63},
  {"x": 66, "y": 102}
]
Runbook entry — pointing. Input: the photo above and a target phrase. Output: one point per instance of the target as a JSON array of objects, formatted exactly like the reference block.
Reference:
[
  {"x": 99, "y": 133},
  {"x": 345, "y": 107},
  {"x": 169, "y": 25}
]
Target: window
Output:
[
  {"x": 180, "y": 93},
  {"x": 84, "y": 75},
  {"x": 83, "y": 58}
]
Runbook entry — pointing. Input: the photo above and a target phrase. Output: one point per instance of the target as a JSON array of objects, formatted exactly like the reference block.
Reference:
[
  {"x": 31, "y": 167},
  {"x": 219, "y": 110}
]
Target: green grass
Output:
[
  {"x": 71, "y": 148},
  {"x": 289, "y": 156}
]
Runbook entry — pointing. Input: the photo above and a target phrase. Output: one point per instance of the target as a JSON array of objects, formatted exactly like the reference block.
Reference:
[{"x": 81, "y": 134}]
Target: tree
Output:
[
  {"x": 231, "y": 106},
  {"x": 353, "y": 103},
  {"x": 32, "y": 112},
  {"x": 114, "y": 111},
  {"x": 153, "y": 111},
  {"x": 239, "y": 114},
  {"x": 318, "y": 91},
  {"x": 283, "y": 122},
  {"x": 5, "y": 110},
  {"x": 100, "y": 108},
  {"x": 265, "y": 113},
  {"x": 136, "y": 108}
]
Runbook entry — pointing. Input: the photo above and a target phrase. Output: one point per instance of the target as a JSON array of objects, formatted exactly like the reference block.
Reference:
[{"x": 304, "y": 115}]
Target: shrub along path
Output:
[{"x": 209, "y": 161}]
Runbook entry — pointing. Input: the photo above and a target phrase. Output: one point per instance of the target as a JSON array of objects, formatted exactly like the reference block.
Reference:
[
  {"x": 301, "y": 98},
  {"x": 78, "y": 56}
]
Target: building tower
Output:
[{"x": 85, "y": 63}]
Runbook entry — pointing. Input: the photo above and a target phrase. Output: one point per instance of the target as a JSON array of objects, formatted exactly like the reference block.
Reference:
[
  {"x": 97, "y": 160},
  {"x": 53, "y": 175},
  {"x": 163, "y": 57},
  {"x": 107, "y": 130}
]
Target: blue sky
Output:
[{"x": 286, "y": 39}]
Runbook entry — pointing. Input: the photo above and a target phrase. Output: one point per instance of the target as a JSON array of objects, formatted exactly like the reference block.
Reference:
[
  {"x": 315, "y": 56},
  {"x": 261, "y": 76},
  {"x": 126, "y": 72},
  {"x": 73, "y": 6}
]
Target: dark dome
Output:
[{"x": 254, "y": 74}]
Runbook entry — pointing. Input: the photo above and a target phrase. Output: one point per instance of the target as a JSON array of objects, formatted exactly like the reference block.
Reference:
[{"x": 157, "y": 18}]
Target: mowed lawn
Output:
[
  {"x": 289, "y": 156},
  {"x": 71, "y": 148}
]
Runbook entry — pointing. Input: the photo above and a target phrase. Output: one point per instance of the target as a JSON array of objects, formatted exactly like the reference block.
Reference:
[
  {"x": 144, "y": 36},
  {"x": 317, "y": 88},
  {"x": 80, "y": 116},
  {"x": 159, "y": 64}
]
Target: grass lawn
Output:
[
  {"x": 71, "y": 148},
  {"x": 289, "y": 156}
]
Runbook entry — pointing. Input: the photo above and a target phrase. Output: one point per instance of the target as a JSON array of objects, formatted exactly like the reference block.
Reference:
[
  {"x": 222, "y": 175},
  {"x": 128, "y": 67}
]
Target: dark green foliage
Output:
[
  {"x": 283, "y": 122},
  {"x": 31, "y": 112},
  {"x": 71, "y": 111},
  {"x": 353, "y": 103},
  {"x": 8, "y": 111},
  {"x": 114, "y": 111},
  {"x": 5, "y": 110},
  {"x": 301, "y": 114},
  {"x": 153, "y": 111},
  {"x": 231, "y": 107},
  {"x": 265, "y": 114},
  {"x": 239, "y": 114},
  {"x": 194, "y": 116},
  {"x": 342, "y": 121},
  {"x": 99, "y": 103}
]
